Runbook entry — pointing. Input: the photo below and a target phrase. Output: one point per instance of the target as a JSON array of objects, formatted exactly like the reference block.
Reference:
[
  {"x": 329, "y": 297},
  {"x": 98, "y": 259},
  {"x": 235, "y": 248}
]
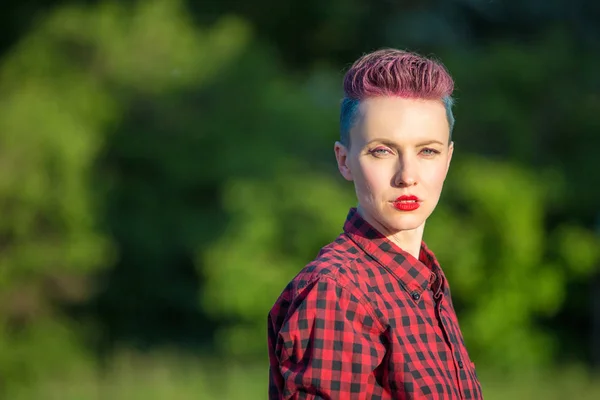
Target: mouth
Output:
[
  {"x": 407, "y": 199},
  {"x": 406, "y": 203}
]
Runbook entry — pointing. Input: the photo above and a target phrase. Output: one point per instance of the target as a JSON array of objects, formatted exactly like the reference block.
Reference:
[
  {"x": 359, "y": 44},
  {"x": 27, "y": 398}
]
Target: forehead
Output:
[{"x": 401, "y": 120}]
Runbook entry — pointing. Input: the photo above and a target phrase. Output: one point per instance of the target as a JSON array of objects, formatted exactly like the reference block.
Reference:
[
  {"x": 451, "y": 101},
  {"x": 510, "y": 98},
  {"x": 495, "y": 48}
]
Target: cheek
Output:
[
  {"x": 374, "y": 176},
  {"x": 435, "y": 177}
]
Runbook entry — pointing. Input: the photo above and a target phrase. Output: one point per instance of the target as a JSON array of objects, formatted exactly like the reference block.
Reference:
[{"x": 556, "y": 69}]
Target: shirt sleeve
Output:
[{"x": 328, "y": 347}]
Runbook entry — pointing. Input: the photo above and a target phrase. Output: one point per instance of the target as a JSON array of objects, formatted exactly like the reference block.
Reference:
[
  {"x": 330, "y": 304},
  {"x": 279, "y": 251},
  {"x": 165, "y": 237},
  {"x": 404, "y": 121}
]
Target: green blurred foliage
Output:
[
  {"x": 275, "y": 226},
  {"x": 62, "y": 89},
  {"x": 163, "y": 181},
  {"x": 505, "y": 267},
  {"x": 536, "y": 105}
]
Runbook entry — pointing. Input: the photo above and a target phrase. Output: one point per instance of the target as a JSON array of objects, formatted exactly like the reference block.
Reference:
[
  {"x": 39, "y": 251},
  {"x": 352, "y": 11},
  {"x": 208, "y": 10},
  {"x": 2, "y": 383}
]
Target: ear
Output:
[
  {"x": 341, "y": 155},
  {"x": 450, "y": 153}
]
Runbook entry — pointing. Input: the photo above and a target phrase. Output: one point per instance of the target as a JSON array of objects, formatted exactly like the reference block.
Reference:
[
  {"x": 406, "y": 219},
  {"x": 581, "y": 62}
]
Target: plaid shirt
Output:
[{"x": 366, "y": 320}]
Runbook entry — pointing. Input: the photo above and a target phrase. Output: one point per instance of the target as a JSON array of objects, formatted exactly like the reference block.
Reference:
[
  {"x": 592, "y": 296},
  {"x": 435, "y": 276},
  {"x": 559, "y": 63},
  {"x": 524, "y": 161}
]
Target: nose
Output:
[{"x": 407, "y": 172}]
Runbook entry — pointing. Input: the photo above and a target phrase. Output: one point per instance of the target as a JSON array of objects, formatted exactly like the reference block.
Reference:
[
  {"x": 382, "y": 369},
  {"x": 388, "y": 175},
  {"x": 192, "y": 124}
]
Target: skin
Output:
[{"x": 398, "y": 147}]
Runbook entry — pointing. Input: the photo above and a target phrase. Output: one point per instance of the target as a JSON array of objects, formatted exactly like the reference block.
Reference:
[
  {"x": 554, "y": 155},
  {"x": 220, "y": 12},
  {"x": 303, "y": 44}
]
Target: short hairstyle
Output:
[{"x": 391, "y": 72}]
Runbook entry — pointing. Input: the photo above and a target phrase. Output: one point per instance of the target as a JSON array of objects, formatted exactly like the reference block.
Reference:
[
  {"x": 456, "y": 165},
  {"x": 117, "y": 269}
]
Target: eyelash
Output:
[
  {"x": 378, "y": 151},
  {"x": 381, "y": 151},
  {"x": 433, "y": 151}
]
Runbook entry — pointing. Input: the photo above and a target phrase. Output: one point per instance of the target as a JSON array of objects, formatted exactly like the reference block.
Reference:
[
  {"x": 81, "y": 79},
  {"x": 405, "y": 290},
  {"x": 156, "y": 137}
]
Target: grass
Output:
[
  {"x": 136, "y": 377},
  {"x": 153, "y": 377}
]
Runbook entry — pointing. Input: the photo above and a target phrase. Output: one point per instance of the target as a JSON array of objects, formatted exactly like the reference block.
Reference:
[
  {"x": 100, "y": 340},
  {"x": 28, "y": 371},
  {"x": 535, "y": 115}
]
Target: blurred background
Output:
[{"x": 167, "y": 167}]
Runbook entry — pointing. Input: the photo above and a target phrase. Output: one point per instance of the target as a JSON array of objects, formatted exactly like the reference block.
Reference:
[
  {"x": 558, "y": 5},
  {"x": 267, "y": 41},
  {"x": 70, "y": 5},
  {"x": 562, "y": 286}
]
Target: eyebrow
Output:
[
  {"x": 393, "y": 144},
  {"x": 428, "y": 142}
]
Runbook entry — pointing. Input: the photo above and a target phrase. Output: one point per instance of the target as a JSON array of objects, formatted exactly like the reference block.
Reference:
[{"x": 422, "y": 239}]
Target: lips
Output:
[
  {"x": 407, "y": 198},
  {"x": 407, "y": 203}
]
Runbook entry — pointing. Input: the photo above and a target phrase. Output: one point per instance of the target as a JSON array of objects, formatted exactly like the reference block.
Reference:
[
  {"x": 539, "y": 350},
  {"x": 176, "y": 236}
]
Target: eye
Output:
[
  {"x": 429, "y": 152},
  {"x": 380, "y": 152}
]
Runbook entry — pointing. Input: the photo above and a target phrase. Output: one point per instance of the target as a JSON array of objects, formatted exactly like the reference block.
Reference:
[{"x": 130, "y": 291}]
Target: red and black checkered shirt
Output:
[{"x": 366, "y": 320}]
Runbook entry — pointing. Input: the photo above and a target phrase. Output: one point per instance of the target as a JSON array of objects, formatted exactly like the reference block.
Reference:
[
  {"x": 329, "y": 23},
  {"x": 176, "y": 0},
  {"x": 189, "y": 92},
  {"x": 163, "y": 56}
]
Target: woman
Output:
[{"x": 371, "y": 317}]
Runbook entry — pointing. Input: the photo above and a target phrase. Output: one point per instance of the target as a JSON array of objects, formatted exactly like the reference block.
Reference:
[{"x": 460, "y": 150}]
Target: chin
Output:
[
  {"x": 405, "y": 224},
  {"x": 394, "y": 220},
  {"x": 405, "y": 221}
]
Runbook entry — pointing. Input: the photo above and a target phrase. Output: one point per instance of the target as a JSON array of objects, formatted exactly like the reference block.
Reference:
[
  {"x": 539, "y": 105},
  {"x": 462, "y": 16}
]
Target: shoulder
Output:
[
  {"x": 334, "y": 266},
  {"x": 331, "y": 286},
  {"x": 335, "y": 262}
]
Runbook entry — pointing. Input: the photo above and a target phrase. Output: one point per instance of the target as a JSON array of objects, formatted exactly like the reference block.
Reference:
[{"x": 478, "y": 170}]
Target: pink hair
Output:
[{"x": 391, "y": 72}]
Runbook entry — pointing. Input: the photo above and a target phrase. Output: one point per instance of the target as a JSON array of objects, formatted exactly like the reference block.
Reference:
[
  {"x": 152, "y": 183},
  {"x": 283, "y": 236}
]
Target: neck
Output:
[{"x": 408, "y": 240}]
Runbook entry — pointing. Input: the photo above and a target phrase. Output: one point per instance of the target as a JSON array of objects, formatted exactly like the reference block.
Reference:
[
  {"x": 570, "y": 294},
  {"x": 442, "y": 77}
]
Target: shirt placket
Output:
[{"x": 450, "y": 334}]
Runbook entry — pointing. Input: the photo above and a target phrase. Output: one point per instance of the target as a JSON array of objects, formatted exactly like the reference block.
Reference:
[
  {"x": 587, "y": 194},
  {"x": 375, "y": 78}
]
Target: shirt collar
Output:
[{"x": 414, "y": 275}]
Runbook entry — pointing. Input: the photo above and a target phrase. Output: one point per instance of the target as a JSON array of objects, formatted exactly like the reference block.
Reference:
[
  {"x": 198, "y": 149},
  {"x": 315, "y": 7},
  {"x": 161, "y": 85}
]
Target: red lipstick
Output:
[{"x": 407, "y": 203}]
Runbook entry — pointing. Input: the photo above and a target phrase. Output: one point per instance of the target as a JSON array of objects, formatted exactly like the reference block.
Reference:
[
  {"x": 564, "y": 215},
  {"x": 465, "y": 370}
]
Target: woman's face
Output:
[{"x": 398, "y": 159}]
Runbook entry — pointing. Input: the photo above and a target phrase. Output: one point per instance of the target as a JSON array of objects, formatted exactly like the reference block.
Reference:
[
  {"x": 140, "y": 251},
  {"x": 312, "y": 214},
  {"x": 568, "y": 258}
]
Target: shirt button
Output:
[
  {"x": 460, "y": 364},
  {"x": 415, "y": 295}
]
